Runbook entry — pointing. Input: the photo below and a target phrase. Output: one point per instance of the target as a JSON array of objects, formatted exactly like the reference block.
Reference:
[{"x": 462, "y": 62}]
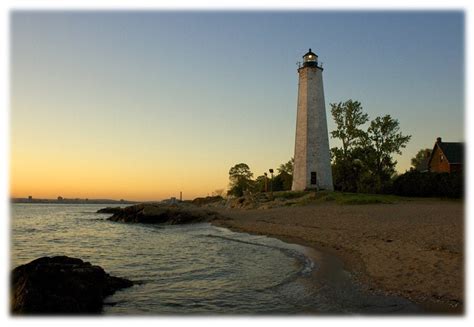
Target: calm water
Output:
[{"x": 184, "y": 269}]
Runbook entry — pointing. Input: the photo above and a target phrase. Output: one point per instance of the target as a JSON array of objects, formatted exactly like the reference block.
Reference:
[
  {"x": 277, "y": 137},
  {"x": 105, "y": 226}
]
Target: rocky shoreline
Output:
[{"x": 160, "y": 214}]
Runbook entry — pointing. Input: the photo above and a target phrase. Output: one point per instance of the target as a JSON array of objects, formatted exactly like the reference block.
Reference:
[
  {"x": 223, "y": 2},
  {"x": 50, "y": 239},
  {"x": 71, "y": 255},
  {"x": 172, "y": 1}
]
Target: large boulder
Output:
[
  {"x": 160, "y": 214},
  {"x": 61, "y": 285}
]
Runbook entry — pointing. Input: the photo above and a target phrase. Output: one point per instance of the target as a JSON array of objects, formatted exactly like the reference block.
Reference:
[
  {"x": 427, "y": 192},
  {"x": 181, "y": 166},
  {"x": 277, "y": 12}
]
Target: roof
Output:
[
  {"x": 454, "y": 151},
  {"x": 310, "y": 53}
]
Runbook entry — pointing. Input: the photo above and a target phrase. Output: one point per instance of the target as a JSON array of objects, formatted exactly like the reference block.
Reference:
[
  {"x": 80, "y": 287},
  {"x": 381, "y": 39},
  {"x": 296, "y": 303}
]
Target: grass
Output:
[
  {"x": 301, "y": 198},
  {"x": 289, "y": 195},
  {"x": 297, "y": 198},
  {"x": 357, "y": 198}
]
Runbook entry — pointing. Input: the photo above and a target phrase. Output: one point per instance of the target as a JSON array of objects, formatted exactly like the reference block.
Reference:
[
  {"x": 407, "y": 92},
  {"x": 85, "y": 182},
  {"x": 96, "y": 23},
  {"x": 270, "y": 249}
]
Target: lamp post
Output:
[
  {"x": 266, "y": 182},
  {"x": 271, "y": 183}
]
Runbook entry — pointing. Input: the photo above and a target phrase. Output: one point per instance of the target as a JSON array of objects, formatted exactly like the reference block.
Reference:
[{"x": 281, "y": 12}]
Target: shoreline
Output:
[
  {"x": 274, "y": 223},
  {"x": 331, "y": 269}
]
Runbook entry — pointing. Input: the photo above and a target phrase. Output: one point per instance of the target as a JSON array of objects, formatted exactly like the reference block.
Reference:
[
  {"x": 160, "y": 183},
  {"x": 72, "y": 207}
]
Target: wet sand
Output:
[{"x": 413, "y": 249}]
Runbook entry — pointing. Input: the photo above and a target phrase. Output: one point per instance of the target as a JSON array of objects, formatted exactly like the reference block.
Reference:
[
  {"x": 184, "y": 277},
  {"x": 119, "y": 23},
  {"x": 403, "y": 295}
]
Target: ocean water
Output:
[{"x": 187, "y": 269}]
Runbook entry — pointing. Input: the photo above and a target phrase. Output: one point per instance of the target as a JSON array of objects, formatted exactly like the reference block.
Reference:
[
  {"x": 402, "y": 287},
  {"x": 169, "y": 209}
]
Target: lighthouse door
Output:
[{"x": 313, "y": 178}]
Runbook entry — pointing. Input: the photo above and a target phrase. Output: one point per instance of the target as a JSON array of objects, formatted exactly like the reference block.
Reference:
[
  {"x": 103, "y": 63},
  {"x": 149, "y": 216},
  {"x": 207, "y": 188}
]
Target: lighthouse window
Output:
[{"x": 313, "y": 178}]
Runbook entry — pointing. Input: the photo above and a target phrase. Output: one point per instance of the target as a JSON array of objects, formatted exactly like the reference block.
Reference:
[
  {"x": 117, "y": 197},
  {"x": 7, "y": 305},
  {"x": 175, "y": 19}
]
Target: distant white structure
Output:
[{"x": 312, "y": 166}]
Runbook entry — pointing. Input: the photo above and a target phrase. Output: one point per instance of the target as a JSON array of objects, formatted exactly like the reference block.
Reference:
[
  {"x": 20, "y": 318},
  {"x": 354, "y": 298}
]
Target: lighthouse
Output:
[{"x": 312, "y": 166}]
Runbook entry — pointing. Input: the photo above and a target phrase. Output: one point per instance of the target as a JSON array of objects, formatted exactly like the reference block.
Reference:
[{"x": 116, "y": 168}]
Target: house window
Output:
[
  {"x": 441, "y": 157},
  {"x": 313, "y": 178}
]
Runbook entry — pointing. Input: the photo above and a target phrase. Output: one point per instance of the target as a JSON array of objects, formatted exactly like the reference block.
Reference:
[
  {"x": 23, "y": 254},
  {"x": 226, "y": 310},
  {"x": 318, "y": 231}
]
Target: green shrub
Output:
[
  {"x": 290, "y": 194},
  {"x": 418, "y": 184},
  {"x": 207, "y": 200}
]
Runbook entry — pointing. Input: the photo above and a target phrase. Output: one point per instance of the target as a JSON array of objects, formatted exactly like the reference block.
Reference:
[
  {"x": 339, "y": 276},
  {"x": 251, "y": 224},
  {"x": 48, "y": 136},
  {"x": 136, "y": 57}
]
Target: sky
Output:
[{"x": 141, "y": 105}]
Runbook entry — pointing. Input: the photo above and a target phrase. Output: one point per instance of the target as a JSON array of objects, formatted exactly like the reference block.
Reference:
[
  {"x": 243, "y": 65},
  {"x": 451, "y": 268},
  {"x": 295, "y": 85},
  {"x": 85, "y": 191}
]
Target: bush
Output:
[
  {"x": 207, "y": 200},
  {"x": 415, "y": 183},
  {"x": 287, "y": 195}
]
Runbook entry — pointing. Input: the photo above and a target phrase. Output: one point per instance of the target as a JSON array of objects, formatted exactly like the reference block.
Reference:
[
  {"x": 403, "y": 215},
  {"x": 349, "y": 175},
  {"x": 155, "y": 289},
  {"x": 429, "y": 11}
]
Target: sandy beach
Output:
[{"x": 414, "y": 249}]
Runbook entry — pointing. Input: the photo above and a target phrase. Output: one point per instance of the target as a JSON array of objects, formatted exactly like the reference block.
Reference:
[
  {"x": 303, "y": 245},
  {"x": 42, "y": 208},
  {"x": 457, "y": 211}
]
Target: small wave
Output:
[
  {"x": 307, "y": 265},
  {"x": 31, "y": 230},
  {"x": 172, "y": 304},
  {"x": 94, "y": 219}
]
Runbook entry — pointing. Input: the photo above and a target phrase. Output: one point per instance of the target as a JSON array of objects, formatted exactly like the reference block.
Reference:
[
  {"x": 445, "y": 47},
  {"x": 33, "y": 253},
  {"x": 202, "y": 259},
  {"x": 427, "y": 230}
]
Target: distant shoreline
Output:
[{"x": 71, "y": 201}]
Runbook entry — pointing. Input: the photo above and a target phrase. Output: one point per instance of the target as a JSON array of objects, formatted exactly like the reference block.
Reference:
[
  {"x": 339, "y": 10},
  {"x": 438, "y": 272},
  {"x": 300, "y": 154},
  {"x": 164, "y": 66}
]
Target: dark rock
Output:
[
  {"x": 109, "y": 210},
  {"x": 159, "y": 214},
  {"x": 61, "y": 285}
]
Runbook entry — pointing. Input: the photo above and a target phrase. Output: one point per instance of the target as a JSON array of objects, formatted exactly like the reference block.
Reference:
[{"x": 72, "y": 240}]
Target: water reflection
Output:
[{"x": 182, "y": 269}]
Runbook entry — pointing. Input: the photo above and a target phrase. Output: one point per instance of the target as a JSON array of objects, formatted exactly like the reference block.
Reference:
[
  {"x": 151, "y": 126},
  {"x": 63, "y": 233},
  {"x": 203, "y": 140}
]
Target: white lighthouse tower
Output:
[{"x": 312, "y": 166}]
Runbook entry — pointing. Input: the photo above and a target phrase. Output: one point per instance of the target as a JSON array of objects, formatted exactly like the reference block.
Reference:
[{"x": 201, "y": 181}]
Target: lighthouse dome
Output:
[{"x": 310, "y": 58}]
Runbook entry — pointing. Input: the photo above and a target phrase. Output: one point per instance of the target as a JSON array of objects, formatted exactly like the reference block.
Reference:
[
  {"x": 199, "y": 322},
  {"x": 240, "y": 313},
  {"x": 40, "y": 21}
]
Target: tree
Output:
[
  {"x": 287, "y": 167},
  {"x": 384, "y": 139},
  {"x": 259, "y": 184},
  {"x": 284, "y": 179},
  {"x": 364, "y": 162},
  {"x": 240, "y": 178},
  {"x": 347, "y": 167},
  {"x": 282, "y": 182},
  {"x": 348, "y": 117},
  {"x": 419, "y": 160}
]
